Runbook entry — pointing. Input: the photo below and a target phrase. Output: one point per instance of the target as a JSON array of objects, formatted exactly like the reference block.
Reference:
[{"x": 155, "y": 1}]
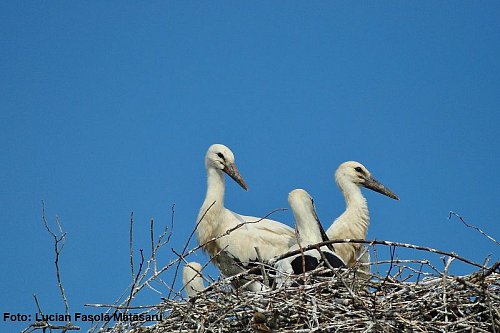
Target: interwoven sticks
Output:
[{"x": 406, "y": 295}]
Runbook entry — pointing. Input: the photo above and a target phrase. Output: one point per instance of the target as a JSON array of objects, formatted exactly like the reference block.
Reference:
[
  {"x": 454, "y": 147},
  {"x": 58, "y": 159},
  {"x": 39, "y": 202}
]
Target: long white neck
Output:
[
  {"x": 211, "y": 212},
  {"x": 308, "y": 230},
  {"x": 353, "y": 223},
  {"x": 215, "y": 188}
]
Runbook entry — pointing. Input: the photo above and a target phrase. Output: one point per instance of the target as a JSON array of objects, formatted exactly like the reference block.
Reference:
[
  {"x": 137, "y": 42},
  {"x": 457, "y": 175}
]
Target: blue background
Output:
[{"x": 109, "y": 107}]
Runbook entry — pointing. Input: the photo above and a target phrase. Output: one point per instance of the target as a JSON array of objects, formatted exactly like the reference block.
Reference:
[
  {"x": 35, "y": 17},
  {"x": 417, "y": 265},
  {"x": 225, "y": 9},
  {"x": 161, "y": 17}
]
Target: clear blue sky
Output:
[{"x": 108, "y": 107}]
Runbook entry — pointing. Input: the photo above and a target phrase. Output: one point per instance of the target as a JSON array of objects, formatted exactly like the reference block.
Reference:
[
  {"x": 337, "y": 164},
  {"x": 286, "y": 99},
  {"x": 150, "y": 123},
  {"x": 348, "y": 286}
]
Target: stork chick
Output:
[
  {"x": 309, "y": 231},
  {"x": 191, "y": 279},
  {"x": 235, "y": 252},
  {"x": 353, "y": 223}
]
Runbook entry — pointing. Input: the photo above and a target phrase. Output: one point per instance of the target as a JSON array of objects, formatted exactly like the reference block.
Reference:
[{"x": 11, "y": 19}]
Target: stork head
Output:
[
  {"x": 220, "y": 157},
  {"x": 192, "y": 279},
  {"x": 358, "y": 174},
  {"x": 190, "y": 271},
  {"x": 308, "y": 224},
  {"x": 301, "y": 203}
]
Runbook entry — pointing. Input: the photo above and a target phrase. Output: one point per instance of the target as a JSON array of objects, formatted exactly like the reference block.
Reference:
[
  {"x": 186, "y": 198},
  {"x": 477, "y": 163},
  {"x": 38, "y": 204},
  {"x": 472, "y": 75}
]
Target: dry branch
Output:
[
  {"x": 472, "y": 227},
  {"x": 59, "y": 242}
]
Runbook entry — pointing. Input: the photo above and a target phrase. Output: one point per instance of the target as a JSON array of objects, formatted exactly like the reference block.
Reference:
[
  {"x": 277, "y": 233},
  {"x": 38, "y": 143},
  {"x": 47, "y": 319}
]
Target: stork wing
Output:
[{"x": 272, "y": 238}]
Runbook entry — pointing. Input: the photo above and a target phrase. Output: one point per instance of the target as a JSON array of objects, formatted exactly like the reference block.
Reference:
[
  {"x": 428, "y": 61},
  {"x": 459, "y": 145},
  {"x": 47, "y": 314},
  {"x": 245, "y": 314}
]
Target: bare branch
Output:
[
  {"x": 59, "y": 241},
  {"x": 388, "y": 243},
  {"x": 58, "y": 246},
  {"x": 472, "y": 226},
  {"x": 131, "y": 247}
]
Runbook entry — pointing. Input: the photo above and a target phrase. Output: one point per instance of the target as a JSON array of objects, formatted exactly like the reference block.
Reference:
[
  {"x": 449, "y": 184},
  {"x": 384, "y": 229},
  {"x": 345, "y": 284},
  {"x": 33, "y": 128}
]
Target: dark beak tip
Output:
[
  {"x": 242, "y": 184},
  {"x": 392, "y": 195}
]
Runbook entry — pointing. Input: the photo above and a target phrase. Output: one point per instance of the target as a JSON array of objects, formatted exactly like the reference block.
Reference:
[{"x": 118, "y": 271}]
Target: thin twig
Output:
[
  {"x": 388, "y": 243},
  {"x": 131, "y": 247},
  {"x": 472, "y": 226},
  {"x": 187, "y": 243}
]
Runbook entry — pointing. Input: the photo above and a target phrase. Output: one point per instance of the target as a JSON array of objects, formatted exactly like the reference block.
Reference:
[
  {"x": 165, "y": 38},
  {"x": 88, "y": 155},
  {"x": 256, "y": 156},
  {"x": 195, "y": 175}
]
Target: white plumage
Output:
[
  {"x": 236, "y": 249},
  {"x": 353, "y": 223},
  {"x": 309, "y": 232},
  {"x": 192, "y": 279}
]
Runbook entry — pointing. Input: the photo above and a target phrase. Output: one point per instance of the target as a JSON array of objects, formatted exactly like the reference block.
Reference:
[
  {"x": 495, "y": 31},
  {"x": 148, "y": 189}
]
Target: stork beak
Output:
[
  {"x": 233, "y": 172},
  {"x": 376, "y": 186}
]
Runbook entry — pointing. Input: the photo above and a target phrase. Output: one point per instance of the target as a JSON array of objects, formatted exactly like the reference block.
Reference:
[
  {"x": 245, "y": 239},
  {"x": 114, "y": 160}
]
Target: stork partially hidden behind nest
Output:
[
  {"x": 353, "y": 223},
  {"x": 235, "y": 251},
  {"x": 309, "y": 232},
  {"x": 192, "y": 279}
]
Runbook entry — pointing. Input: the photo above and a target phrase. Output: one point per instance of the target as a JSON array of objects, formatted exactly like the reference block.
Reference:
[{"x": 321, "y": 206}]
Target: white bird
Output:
[
  {"x": 192, "y": 279},
  {"x": 353, "y": 223},
  {"x": 309, "y": 231},
  {"x": 235, "y": 251}
]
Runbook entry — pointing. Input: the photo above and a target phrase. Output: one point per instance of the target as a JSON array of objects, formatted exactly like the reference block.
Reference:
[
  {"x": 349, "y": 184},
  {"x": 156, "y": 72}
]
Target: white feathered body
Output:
[
  {"x": 238, "y": 246},
  {"x": 309, "y": 232},
  {"x": 286, "y": 265},
  {"x": 352, "y": 224},
  {"x": 272, "y": 238}
]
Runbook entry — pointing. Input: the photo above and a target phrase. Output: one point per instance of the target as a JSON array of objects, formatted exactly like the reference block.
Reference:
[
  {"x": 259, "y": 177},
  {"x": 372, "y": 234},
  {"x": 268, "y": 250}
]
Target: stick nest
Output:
[{"x": 412, "y": 296}]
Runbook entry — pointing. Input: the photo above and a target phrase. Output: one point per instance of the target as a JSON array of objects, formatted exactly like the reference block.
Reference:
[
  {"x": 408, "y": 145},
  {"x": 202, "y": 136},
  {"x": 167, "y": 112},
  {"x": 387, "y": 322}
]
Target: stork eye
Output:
[
  {"x": 358, "y": 169},
  {"x": 221, "y": 156}
]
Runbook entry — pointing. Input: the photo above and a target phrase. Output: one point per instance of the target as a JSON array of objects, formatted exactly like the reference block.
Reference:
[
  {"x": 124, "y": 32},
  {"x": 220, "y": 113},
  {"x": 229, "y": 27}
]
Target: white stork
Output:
[
  {"x": 309, "y": 231},
  {"x": 353, "y": 223},
  {"x": 235, "y": 251},
  {"x": 191, "y": 279}
]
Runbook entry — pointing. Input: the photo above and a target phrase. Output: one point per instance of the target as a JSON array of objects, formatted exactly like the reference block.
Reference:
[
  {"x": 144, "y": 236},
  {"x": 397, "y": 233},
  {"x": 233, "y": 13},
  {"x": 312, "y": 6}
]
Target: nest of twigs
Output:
[{"x": 410, "y": 296}]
